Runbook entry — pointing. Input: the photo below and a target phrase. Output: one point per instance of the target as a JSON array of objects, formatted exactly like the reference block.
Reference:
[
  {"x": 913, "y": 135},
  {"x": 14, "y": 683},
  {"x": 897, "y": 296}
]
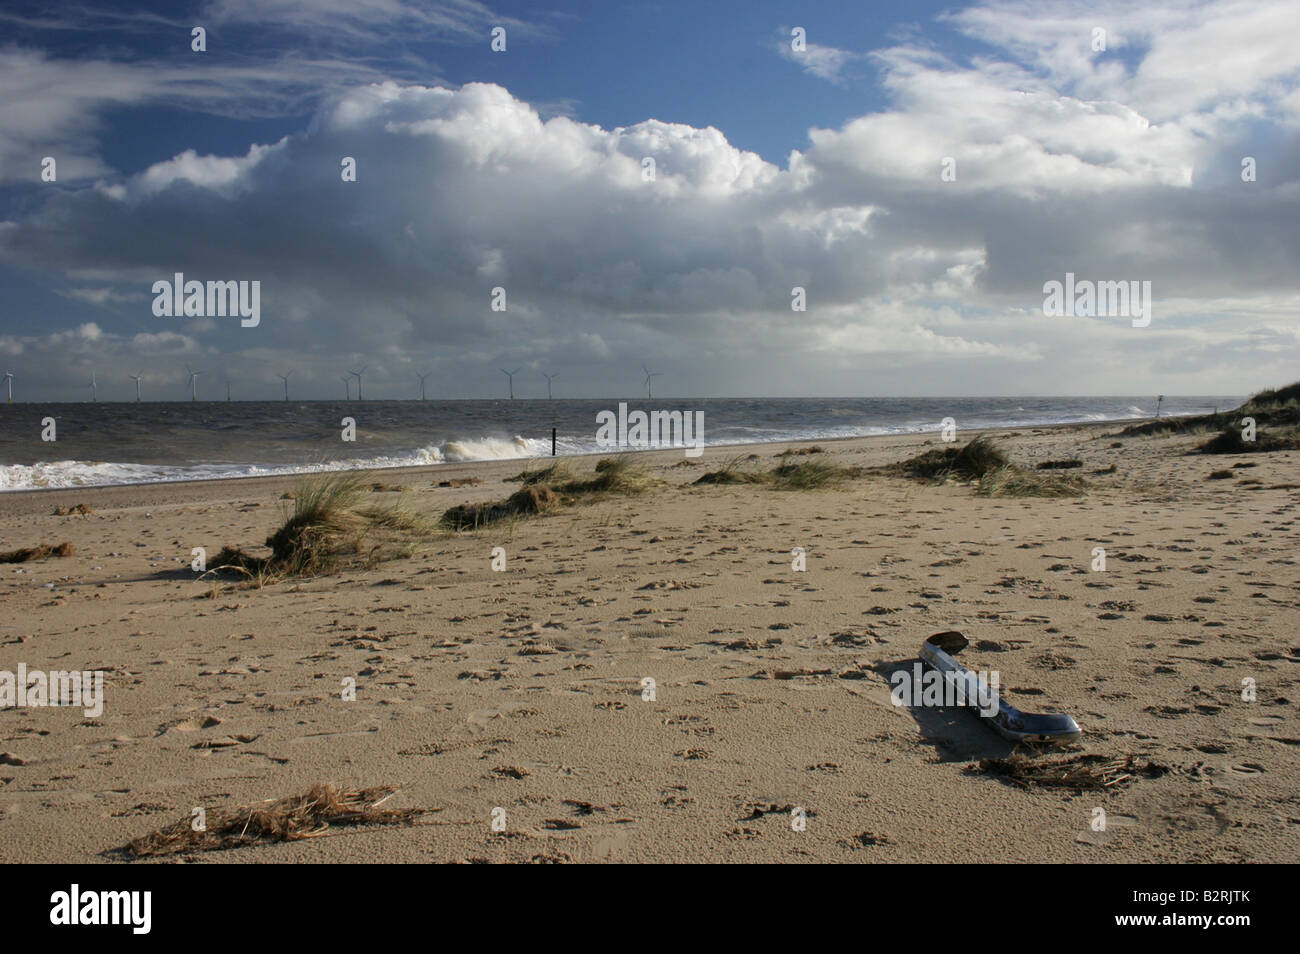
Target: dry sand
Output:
[{"x": 522, "y": 689}]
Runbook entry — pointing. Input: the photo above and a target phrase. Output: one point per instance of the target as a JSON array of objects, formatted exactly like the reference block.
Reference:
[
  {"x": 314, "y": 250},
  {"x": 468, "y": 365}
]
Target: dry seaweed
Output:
[
  {"x": 41, "y": 552},
  {"x": 1081, "y": 773},
  {"x": 287, "y": 819}
]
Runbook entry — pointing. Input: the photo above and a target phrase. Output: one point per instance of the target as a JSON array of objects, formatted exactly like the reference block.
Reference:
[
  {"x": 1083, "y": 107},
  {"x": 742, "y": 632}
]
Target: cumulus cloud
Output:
[{"x": 1065, "y": 159}]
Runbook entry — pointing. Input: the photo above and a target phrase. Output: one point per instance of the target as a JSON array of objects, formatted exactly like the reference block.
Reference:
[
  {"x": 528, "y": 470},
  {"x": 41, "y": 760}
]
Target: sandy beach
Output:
[{"x": 523, "y": 689}]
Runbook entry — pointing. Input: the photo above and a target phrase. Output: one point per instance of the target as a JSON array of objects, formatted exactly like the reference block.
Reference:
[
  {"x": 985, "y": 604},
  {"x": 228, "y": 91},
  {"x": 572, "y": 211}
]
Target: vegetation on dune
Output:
[
  {"x": 809, "y": 475},
  {"x": 1230, "y": 440},
  {"x": 1276, "y": 413},
  {"x": 802, "y": 451},
  {"x": 804, "y": 475},
  {"x": 549, "y": 487},
  {"x": 527, "y": 500},
  {"x": 982, "y": 460},
  {"x": 324, "y": 523},
  {"x": 328, "y": 530},
  {"x": 970, "y": 462},
  {"x": 557, "y": 472},
  {"x": 732, "y": 472},
  {"x": 1011, "y": 481},
  {"x": 616, "y": 475}
]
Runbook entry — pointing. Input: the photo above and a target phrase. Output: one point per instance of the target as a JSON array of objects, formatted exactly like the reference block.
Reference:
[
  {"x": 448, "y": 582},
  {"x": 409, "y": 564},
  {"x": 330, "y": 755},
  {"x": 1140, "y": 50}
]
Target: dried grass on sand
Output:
[
  {"x": 1082, "y": 773},
  {"x": 287, "y": 819},
  {"x": 548, "y": 487},
  {"x": 64, "y": 549}
]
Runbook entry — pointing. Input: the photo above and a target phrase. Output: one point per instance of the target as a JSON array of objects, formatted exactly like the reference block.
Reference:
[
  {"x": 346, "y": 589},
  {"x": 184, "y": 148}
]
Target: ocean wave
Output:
[
  {"x": 79, "y": 473},
  {"x": 58, "y": 474}
]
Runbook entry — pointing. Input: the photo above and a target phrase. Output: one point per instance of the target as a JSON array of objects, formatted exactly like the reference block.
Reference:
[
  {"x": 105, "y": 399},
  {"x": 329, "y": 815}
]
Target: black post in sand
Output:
[{"x": 552, "y": 442}]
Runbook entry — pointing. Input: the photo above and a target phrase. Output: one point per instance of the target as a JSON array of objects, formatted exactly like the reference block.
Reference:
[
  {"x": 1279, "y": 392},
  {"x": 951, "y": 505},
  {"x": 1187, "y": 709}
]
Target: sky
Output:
[{"x": 629, "y": 185}]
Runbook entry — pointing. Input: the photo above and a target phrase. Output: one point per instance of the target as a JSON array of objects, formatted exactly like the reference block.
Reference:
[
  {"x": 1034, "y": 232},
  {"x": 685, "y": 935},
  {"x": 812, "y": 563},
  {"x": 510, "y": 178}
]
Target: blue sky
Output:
[
  {"x": 609, "y": 63},
  {"x": 818, "y": 168}
]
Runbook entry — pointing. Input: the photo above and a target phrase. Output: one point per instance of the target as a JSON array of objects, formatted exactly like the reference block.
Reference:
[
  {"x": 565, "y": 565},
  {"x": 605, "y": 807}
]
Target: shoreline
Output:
[{"x": 447, "y": 466}]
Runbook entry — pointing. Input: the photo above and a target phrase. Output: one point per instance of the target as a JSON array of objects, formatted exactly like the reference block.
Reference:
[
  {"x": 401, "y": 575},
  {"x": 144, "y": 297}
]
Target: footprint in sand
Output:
[
  {"x": 194, "y": 723},
  {"x": 1267, "y": 722},
  {"x": 1247, "y": 769}
]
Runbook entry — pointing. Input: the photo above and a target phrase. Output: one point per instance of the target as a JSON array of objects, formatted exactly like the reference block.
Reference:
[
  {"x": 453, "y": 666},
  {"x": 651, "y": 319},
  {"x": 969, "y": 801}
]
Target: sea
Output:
[{"x": 101, "y": 444}]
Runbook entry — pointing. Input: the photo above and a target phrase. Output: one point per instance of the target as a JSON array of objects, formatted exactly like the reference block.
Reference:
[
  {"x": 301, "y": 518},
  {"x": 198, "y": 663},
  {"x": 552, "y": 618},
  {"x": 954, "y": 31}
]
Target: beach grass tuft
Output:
[
  {"x": 971, "y": 462},
  {"x": 1011, "y": 481},
  {"x": 326, "y": 530},
  {"x": 732, "y": 472},
  {"x": 802, "y": 451},
  {"x": 809, "y": 475},
  {"x": 803, "y": 475},
  {"x": 557, "y": 472},
  {"x": 547, "y": 488},
  {"x": 983, "y": 462}
]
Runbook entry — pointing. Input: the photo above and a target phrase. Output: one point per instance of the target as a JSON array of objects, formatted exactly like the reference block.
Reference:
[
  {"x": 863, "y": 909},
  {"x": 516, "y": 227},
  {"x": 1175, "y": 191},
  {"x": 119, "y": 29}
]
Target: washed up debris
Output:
[
  {"x": 37, "y": 553},
  {"x": 286, "y": 819},
  {"x": 1082, "y": 773},
  {"x": 1004, "y": 718},
  {"x": 81, "y": 509}
]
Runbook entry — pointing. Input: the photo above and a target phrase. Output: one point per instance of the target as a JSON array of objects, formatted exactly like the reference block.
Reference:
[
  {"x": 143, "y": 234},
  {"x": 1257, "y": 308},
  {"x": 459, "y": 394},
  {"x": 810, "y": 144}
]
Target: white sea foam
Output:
[{"x": 79, "y": 473}]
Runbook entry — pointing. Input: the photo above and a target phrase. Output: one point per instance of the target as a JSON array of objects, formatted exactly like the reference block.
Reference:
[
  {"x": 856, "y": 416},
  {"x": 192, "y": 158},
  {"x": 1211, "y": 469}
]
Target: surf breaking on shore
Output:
[{"x": 207, "y": 447}]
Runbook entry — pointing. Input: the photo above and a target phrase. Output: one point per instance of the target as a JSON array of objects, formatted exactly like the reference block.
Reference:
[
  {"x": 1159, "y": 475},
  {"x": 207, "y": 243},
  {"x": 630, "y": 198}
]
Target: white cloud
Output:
[
  {"x": 825, "y": 62},
  {"x": 1109, "y": 167}
]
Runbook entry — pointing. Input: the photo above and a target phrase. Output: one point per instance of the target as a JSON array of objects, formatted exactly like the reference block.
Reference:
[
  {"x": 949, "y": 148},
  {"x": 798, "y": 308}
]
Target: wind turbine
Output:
[
  {"x": 94, "y": 390},
  {"x": 227, "y": 390},
  {"x": 136, "y": 378},
  {"x": 357, "y": 375},
  {"x": 648, "y": 375},
  {"x": 347, "y": 383},
  {"x": 9, "y": 380},
  {"x": 194, "y": 382},
  {"x": 422, "y": 377},
  {"x": 548, "y": 378},
  {"x": 511, "y": 376},
  {"x": 285, "y": 379}
]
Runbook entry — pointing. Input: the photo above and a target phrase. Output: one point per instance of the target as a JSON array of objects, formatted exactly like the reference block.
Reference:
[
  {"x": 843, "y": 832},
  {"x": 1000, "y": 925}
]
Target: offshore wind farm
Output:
[{"x": 190, "y": 438}]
